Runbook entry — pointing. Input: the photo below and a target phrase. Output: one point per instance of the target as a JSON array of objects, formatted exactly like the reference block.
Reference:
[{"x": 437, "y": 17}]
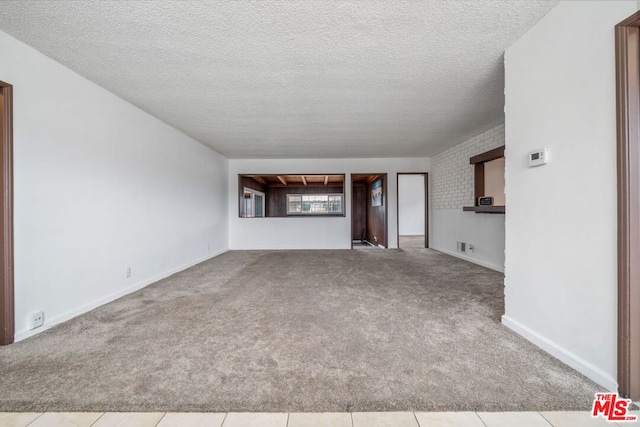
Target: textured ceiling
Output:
[{"x": 293, "y": 79}]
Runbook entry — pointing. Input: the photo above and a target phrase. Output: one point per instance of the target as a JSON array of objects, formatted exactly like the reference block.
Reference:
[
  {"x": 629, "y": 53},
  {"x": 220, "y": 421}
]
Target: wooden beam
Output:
[
  {"x": 282, "y": 180},
  {"x": 496, "y": 153},
  {"x": 372, "y": 178},
  {"x": 304, "y": 180},
  {"x": 260, "y": 179},
  {"x": 326, "y": 179}
]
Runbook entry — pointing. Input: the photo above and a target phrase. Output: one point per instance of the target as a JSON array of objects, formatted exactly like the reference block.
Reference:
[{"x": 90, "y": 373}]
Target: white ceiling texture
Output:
[{"x": 296, "y": 78}]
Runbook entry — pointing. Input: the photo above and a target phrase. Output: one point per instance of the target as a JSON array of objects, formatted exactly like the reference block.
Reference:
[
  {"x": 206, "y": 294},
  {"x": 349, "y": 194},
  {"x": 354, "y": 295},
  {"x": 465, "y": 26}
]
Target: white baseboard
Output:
[
  {"x": 587, "y": 369},
  {"x": 470, "y": 259},
  {"x": 63, "y": 317}
]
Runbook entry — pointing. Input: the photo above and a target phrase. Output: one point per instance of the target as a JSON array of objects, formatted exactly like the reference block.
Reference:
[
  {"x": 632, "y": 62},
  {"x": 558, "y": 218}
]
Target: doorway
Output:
[
  {"x": 627, "y": 34},
  {"x": 413, "y": 210},
  {"x": 369, "y": 207},
  {"x": 7, "y": 321}
]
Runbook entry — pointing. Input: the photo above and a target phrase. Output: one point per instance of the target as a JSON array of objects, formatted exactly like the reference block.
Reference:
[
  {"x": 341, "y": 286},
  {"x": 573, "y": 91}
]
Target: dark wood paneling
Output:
[
  {"x": 359, "y": 212},
  {"x": 7, "y": 315},
  {"x": 376, "y": 216},
  {"x": 478, "y": 181},
  {"x": 276, "y": 196},
  {"x": 251, "y": 183},
  {"x": 627, "y": 35}
]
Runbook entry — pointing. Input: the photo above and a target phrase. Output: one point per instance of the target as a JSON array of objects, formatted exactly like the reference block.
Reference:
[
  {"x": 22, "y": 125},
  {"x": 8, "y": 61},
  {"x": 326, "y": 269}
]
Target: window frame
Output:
[
  {"x": 478, "y": 179},
  {"x": 264, "y": 204},
  {"x": 305, "y": 214}
]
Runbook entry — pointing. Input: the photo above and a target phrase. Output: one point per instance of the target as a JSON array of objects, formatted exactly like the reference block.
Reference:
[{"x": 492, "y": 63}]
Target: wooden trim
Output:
[
  {"x": 385, "y": 195},
  {"x": 373, "y": 178},
  {"x": 259, "y": 180},
  {"x": 426, "y": 210},
  {"x": 426, "y": 205},
  {"x": 496, "y": 153},
  {"x": 478, "y": 182},
  {"x": 301, "y": 185},
  {"x": 632, "y": 21},
  {"x": 627, "y": 35},
  {"x": 485, "y": 209},
  {"x": 478, "y": 176},
  {"x": 351, "y": 185},
  {"x": 240, "y": 195},
  {"x": 7, "y": 314}
]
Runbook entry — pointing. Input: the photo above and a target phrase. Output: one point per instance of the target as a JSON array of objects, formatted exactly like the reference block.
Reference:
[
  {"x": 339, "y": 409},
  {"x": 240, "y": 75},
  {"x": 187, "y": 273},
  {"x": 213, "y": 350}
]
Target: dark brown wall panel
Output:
[
  {"x": 276, "y": 197},
  {"x": 359, "y": 211},
  {"x": 251, "y": 183}
]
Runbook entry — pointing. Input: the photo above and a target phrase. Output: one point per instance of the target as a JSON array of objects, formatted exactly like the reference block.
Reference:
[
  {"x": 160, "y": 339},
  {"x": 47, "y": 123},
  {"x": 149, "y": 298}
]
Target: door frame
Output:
[
  {"x": 7, "y": 307},
  {"x": 627, "y": 37},
  {"x": 426, "y": 204}
]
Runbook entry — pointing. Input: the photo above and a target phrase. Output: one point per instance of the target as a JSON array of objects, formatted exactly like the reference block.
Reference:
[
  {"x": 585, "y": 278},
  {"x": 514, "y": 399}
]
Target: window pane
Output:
[
  {"x": 335, "y": 204},
  {"x": 314, "y": 204},
  {"x": 257, "y": 202},
  {"x": 252, "y": 204},
  {"x": 294, "y": 203},
  {"x": 306, "y": 207},
  {"x": 295, "y": 206}
]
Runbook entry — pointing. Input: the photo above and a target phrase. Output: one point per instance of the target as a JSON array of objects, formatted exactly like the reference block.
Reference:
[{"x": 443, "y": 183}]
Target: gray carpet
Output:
[
  {"x": 296, "y": 331},
  {"x": 411, "y": 242}
]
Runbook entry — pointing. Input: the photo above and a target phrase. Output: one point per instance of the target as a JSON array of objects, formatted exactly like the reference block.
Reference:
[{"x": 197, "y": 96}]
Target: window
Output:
[
  {"x": 291, "y": 195},
  {"x": 252, "y": 205},
  {"x": 314, "y": 204},
  {"x": 488, "y": 182}
]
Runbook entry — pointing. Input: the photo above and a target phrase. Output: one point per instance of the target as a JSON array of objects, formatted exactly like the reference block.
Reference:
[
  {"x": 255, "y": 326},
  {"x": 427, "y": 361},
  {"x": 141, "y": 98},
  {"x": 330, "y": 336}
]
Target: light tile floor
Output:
[{"x": 355, "y": 419}]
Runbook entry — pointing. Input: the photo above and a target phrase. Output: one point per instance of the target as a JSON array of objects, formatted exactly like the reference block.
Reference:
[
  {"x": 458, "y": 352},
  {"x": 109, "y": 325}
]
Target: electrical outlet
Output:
[
  {"x": 471, "y": 248},
  {"x": 37, "y": 320},
  {"x": 209, "y": 247},
  {"x": 128, "y": 272}
]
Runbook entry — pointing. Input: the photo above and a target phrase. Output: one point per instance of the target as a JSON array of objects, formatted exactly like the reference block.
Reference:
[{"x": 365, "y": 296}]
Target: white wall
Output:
[
  {"x": 452, "y": 188},
  {"x": 411, "y": 206},
  {"x": 311, "y": 232},
  {"x": 100, "y": 186},
  {"x": 561, "y": 218}
]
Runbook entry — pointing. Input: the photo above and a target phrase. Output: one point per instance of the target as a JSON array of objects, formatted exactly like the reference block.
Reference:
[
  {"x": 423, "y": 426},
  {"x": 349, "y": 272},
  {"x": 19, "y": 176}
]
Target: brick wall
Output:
[{"x": 451, "y": 174}]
